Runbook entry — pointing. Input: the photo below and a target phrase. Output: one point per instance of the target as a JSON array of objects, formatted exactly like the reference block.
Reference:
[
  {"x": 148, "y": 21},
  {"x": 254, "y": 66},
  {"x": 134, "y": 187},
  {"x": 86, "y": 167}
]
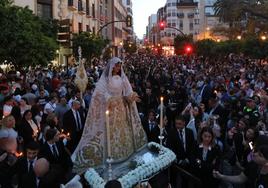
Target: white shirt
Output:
[
  {"x": 79, "y": 119},
  {"x": 33, "y": 126},
  {"x": 51, "y": 148},
  {"x": 49, "y": 107},
  {"x": 205, "y": 151},
  {"x": 28, "y": 161}
]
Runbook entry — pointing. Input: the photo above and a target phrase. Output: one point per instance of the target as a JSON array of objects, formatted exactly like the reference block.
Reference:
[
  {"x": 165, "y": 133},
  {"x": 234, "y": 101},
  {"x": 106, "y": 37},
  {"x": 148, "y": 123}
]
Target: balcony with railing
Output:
[
  {"x": 71, "y": 5},
  {"x": 190, "y": 15},
  {"x": 180, "y": 15}
]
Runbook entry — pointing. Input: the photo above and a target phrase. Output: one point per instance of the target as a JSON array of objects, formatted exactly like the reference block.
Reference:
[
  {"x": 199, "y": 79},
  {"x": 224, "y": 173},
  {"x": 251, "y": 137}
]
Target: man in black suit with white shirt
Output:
[
  {"x": 24, "y": 166},
  {"x": 181, "y": 141},
  {"x": 151, "y": 128},
  {"x": 73, "y": 123},
  {"x": 55, "y": 152}
]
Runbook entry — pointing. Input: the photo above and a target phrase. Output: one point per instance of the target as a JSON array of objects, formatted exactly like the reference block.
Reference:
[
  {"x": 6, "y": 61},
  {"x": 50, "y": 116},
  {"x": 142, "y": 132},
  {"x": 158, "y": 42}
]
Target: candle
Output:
[
  {"x": 20, "y": 154},
  {"x": 108, "y": 133},
  {"x": 161, "y": 113},
  {"x": 68, "y": 134}
]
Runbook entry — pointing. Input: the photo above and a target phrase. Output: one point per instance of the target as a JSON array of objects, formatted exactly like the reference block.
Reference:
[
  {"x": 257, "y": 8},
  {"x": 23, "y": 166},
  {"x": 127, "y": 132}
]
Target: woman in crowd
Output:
[
  {"x": 207, "y": 158},
  {"x": 28, "y": 129},
  {"x": 8, "y": 136}
]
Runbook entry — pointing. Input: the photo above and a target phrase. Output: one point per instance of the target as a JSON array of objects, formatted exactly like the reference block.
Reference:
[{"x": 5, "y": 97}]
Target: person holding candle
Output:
[
  {"x": 8, "y": 146},
  {"x": 28, "y": 129},
  {"x": 113, "y": 92}
]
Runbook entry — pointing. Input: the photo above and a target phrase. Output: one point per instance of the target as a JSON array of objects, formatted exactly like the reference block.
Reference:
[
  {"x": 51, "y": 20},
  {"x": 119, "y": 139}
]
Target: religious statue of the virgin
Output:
[{"x": 113, "y": 92}]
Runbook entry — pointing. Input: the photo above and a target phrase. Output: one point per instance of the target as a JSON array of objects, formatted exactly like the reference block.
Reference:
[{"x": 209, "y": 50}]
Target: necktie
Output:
[
  {"x": 181, "y": 137},
  {"x": 78, "y": 122},
  {"x": 151, "y": 126},
  {"x": 55, "y": 153},
  {"x": 30, "y": 166}
]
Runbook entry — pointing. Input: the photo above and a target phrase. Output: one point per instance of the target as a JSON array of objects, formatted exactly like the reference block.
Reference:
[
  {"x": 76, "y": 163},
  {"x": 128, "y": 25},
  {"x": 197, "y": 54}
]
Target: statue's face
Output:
[{"x": 117, "y": 68}]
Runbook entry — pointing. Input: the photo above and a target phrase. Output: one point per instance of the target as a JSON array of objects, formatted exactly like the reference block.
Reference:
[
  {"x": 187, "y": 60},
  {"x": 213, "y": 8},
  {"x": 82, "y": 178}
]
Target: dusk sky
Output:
[{"x": 142, "y": 9}]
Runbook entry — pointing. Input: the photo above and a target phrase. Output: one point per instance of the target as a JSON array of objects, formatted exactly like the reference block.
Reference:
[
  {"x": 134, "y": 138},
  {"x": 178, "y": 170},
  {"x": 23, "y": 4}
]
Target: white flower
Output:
[{"x": 143, "y": 171}]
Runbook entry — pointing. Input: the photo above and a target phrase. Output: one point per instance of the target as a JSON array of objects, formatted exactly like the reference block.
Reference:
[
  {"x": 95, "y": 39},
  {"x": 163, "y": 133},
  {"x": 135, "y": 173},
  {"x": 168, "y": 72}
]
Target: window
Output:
[
  {"x": 44, "y": 8},
  {"x": 174, "y": 4},
  {"x": 93, "y": 30},
  {"x": 93, "y": 10},
  {"x": 191, "y": 26},
  {"x": 173, "y": 24},
  {"x": 80, "y": 27},
  {"x": 87, "y": 28},
  {"x": 181, "y": 25},
  {"x": 80, "y": 5},
  {"x": 181, "y": 15},
  {"x": 87, "y": 7},
  {"x": 190, "y": 15},
  {"x": 196, "y": 21},
  {"x": 209, "y": 11}
]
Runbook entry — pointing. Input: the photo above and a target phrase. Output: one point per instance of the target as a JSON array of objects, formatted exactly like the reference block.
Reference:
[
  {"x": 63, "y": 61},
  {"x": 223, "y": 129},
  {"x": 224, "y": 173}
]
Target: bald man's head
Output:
[{"x": 41, "y": 167}]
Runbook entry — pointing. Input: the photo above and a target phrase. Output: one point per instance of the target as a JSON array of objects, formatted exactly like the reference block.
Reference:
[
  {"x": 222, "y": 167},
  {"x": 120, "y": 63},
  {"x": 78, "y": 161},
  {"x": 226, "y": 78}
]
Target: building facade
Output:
[{"x": 86, "y": 15}]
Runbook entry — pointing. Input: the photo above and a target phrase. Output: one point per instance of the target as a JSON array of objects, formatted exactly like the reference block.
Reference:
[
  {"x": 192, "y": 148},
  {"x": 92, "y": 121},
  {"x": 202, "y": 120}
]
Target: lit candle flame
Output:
[
  {"x": 107, "y": 112},
  {"x": 20, "y": 154},
  {"x": 68, "y": 134},
  {"x": 162, "y": 98},
  {"x": 62, "y": 130}
]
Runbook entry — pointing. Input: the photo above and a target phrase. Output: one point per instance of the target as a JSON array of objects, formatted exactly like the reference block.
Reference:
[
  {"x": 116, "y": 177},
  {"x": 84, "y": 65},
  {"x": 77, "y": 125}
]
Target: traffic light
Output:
[
  {"x": 129, "y": 21},
  {"x": 188, "y": 49},
  {"x": 65, "y": 33},
  {"x": 162, "y": 26}
]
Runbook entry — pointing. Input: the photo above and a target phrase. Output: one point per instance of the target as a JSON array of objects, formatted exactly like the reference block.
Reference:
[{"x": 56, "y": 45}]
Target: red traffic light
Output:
[
  {"x": 188, "y": 49},
  {"x": 162, "y": 25}
]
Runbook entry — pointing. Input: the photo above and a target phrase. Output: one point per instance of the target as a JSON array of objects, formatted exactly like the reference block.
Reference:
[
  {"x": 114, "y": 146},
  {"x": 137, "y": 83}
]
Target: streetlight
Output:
[
  {"x": 263, "y": 37},
  {"x": 218, "y": 40},
  {"x": 239, "y": 37},
  {"x": 207, "y": 28}
]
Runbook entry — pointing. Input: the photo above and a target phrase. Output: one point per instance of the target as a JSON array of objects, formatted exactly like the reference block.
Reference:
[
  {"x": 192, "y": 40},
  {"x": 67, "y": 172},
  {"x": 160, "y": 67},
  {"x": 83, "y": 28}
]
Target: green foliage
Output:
[
  {"x": 255, "y": 48},
  {"x": 130, "y": 48},
  {"x": 205, "y": 48},
  {"x": 180, "y": 41},
  {"x": 21, "y": 36},
  {"x": 92, "y": 45},
  {"x": 251, "y": 47}
]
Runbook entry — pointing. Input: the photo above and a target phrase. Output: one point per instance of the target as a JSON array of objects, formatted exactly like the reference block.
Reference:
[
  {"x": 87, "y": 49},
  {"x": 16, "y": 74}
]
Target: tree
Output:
[
  {"x": 130, "y": 47},
  {"x": 180, "y": 41},
  {"x": 92, "y": 45},
  {"x": 22, "y": 37},
  {"x": 205, "y": 47},
  {"x": 229, "y": 11}
]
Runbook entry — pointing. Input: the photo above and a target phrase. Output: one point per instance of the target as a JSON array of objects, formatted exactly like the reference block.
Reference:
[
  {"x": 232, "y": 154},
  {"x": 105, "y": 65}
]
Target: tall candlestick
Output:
[
  {"x": 161, "y": 112},
  {"x": 108, "y": 134}
]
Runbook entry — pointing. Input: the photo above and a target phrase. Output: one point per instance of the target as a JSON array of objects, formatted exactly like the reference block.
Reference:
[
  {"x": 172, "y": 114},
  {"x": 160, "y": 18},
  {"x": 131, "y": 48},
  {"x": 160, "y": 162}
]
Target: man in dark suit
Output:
[
  {"x": 151, "y": 128},
  {"x": 55, "y": 152},
  {"x": 181, "y": 141},
  {"x": 24, "y": 166},
  {"x": 73, "y": 123},
  {"x": 46, "y": 176}
]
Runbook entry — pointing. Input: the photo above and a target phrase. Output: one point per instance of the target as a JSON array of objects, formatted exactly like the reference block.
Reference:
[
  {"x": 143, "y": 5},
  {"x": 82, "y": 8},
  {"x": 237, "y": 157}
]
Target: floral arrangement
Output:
[
  {"x": 94, "y": 179},
  {"x": 143, "y": 171}
]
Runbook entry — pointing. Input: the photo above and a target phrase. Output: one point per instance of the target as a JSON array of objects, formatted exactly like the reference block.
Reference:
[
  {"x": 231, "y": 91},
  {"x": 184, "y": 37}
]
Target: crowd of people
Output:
[{"x": 216, "y": 115}]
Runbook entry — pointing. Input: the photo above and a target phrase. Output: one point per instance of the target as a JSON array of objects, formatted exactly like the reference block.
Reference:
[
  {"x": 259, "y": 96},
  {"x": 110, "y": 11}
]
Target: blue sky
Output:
[{"x": 142, "y": 9}]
